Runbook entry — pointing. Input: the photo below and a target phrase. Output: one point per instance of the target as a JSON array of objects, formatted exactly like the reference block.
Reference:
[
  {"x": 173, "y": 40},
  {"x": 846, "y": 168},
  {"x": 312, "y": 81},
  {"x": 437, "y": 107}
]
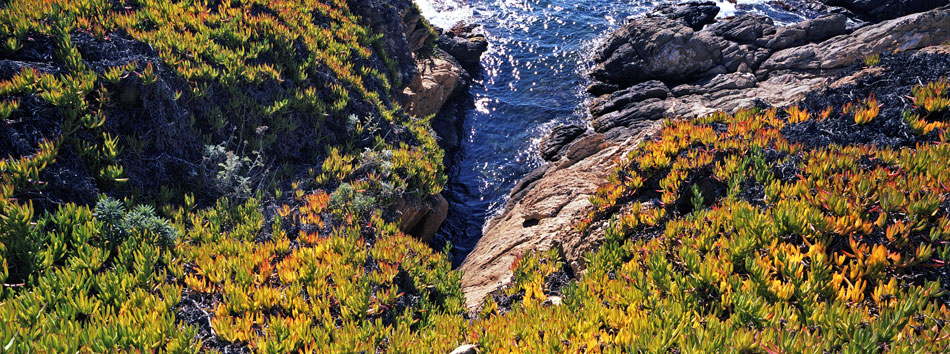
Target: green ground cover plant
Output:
[
  {"x": 125, "y": 275},
  {"x": 721, "y": 234},
  {"x": 830, "y": 249}
]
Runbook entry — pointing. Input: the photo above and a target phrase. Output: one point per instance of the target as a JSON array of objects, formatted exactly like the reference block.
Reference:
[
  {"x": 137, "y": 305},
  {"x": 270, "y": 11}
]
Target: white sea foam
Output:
[
  {"x": 445, "y": 13},
  {"x": 728, "y": 8}
]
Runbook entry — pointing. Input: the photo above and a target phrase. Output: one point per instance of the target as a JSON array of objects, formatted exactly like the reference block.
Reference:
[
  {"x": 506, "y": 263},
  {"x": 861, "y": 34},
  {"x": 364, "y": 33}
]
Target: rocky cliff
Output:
[{"x": 681, "y": 62}]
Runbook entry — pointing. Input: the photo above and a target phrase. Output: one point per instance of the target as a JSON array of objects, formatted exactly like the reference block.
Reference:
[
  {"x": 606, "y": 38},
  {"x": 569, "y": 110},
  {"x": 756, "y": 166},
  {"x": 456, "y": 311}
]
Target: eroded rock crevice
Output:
[{"x": 444, "y": 73}]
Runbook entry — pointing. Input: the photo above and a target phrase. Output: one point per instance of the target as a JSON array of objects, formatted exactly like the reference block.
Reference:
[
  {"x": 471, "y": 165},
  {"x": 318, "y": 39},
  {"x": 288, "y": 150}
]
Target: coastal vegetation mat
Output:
[{"x": 198, "y": 176}]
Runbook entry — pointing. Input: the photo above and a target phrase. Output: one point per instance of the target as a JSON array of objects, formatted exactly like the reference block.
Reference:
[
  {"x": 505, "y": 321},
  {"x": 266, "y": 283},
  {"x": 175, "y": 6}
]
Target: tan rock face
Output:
[
  {"x": 778, "y": 90},
  {"x": 544, "y": 217},
  {"x": 440, "y": 76}
]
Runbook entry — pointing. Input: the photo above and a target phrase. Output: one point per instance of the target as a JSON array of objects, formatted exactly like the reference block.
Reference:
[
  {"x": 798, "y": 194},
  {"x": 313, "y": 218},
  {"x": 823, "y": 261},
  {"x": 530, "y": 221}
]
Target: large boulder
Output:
[
  {"x": 465, "y": 45},
  {"x": 658, "y": 48},
  {"x": 744, "y": 29},
  {"x": 694, "y": 14},
  {"x": 422, "y": 218},
  {"x": 810, "y": 31}
]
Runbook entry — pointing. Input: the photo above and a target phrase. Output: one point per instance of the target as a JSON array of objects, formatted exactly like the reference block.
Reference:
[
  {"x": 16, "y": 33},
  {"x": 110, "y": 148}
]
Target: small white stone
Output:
[{"x": 465, "y": 349}]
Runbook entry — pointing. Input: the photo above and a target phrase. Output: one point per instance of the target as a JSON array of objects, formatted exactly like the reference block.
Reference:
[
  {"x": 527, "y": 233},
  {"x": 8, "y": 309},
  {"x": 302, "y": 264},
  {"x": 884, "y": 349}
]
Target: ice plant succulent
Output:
[
  {"x": 719, "y": 234},
  {"x": 867, "y": 111},
  {"x": 848, "y": 248}
]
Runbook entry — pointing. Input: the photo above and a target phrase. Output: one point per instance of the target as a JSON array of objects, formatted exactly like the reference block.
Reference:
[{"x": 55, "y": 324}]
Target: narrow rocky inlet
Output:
[{"x": 531, "y": 79}]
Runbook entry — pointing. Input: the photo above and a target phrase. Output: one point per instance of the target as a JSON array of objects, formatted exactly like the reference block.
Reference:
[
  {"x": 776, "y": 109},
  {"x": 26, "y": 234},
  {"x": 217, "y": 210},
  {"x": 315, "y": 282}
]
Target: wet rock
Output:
[
  {"x": 694, "y": 14},
  {"x": 447, "y": 126},
  {"x": 598, "y": 88},
  {"x": 440, "y": 77},
  {"x": 553, "y": 145},
  {"x": 636, "y": 93},
  {"x": 881, "y": 10},
  {"x": 465, "y": 45}
]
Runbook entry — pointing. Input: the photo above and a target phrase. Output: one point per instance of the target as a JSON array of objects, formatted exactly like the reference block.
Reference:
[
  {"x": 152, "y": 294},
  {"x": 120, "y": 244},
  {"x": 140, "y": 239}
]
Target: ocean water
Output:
[{"x": 532, "y": 80}]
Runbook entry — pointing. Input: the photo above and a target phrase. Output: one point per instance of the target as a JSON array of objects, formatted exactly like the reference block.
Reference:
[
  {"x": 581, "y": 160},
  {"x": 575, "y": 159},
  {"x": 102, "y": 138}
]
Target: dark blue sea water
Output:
[{"x": 532, "y": 81}]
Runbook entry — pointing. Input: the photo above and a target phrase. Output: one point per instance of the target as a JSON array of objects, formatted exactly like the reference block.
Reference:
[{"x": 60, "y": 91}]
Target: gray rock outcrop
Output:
[
  {"x": 880, "y": 10},
  {"x": 898, "y": 35},
  {"x": 664, "y": 49}
]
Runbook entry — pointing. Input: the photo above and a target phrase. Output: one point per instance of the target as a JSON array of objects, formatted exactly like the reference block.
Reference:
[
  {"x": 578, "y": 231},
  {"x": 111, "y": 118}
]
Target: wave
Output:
[{"x": 445, "y": 13}]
